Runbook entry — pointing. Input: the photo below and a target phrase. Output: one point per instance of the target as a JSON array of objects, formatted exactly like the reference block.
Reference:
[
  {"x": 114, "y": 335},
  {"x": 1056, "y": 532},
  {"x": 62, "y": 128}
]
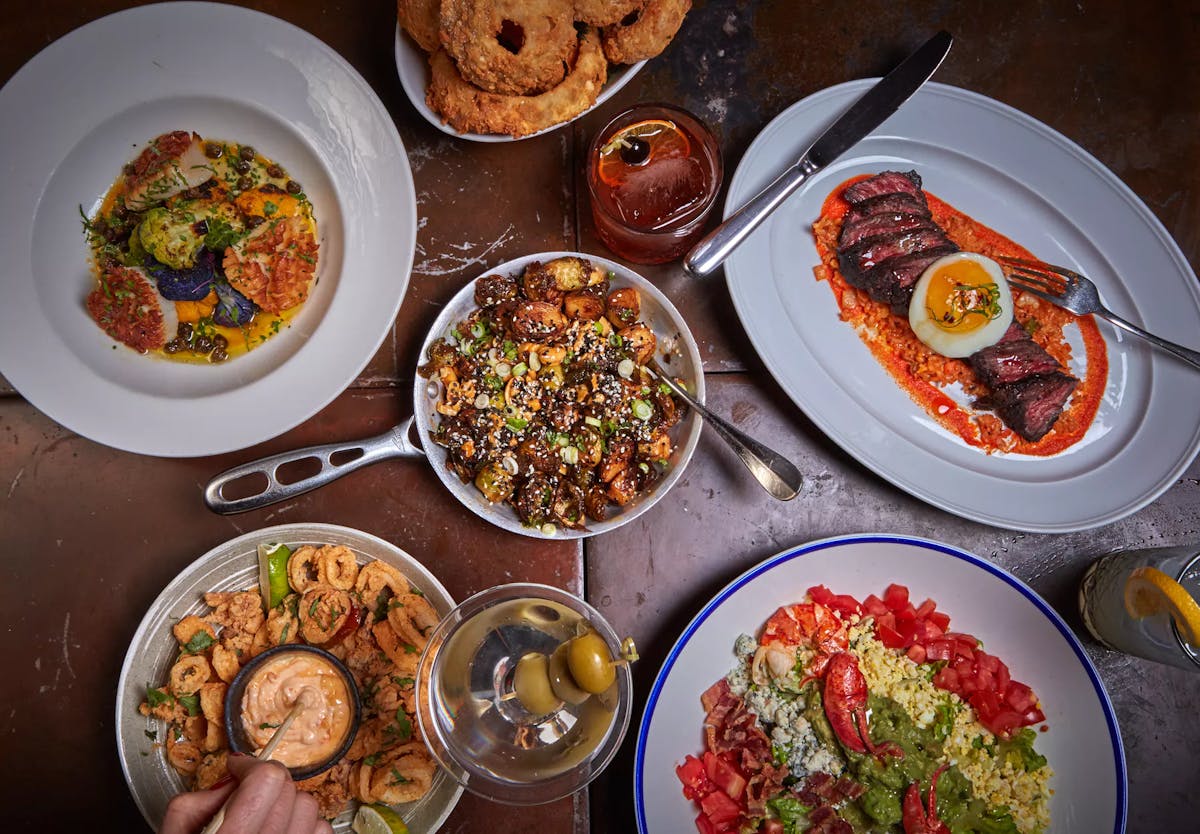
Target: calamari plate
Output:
[
  {"x": 233, "y": 566},
  {"x": 1028, "y": 182},
  {"x": 412, "y": 64},
  {"x": 1082, "y": 744},
  {"x": 87, "y": 102}
]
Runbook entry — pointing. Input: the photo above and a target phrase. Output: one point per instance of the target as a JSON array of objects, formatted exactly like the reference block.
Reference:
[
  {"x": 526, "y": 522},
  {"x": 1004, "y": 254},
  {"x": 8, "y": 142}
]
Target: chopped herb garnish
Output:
[{"x": 200, "y": 641}]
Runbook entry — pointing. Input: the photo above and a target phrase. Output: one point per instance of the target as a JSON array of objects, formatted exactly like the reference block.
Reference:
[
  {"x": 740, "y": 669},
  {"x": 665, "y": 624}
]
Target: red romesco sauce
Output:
[{"x": 923, "y": 373}]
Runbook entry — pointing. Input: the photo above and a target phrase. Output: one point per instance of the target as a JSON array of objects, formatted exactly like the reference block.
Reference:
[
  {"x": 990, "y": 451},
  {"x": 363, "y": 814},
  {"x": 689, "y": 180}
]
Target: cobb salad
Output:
[{"x": 845, "y": 717}]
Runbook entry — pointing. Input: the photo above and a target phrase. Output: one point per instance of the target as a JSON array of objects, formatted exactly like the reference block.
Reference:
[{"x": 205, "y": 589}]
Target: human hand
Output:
[{"x": 262, "y": 800}]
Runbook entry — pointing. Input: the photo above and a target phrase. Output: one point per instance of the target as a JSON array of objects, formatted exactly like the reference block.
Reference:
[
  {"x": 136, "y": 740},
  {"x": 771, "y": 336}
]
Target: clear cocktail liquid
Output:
[{"x": 1102, "y": 604}]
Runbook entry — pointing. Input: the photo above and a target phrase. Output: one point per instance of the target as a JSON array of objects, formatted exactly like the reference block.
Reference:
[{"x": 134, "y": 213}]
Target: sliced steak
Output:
[
  {"x": 857, "y": 261},
  {"x": 887, "y": 182},
  {"x": 894, "y": 279},
  {"x": 1011, "y": 359},
  {"x": 899, "y": 203},
  {"x": 882, "y": 224},
  {"x": 1031, "y": 405}
]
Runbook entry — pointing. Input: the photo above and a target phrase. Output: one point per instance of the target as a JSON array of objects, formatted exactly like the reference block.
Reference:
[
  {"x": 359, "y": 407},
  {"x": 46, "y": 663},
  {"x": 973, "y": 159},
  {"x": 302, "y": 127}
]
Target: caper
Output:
[
  {"x": 276, "y": 170},
  {"x": 590, "y": 662},
  {"x": 254, "y": 221},
  {"x": 184, "y": 331},
  {"x": 246, "y": 152},
  {"x": 213, "y": 150},
  {"x": 218, "y": 355},
  {"x": 531, "y": 683},
  {"x": 242, "y": 166},
  {"x": 561, "y": 681},
  {"x": 203, "y": 344},
  {"x": 220, "y": 341},
  {"x": 173, "y": 346},
  {"x": 293, "y": 187},
  {"x": 245, "y": 183}
]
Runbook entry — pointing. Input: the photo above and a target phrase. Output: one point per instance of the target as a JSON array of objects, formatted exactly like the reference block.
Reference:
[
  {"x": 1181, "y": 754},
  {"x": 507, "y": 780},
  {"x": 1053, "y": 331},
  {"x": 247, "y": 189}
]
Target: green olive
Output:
[
  {"x": 590, "y": 662},
  {"x": 560, "y": 678},
  {"x": 531, "y": 683}
]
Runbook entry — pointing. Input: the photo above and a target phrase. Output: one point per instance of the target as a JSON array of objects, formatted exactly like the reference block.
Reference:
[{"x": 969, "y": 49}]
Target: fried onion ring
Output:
[
  {"x": 420, "y": 19},
  {"x": 512, "y": 47},
  {"x": 604, "y": 12},
  {"x": 468, "y": 109},
  {"x": 648, "y": 35}
]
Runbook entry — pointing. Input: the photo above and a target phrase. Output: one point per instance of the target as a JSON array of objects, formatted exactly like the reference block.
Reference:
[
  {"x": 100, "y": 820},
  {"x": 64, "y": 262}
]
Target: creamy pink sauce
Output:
[{"x": 282, "y": 682}]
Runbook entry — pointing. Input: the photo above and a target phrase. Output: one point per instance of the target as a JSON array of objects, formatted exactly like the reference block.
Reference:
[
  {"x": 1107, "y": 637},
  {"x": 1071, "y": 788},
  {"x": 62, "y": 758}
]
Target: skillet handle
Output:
[{"x": 393, "y": 443}]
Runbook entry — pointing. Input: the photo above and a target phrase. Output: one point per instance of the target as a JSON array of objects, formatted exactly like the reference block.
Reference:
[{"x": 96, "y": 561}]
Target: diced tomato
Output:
[
  {"x": 1003, "y": 722},
  {"x": 719, "y": 808},
  {"x": 1019, "y": 696},
  {"x": 987, "y": 662},
  {"x": 1032, "y": 716},
  {"x": 895, "y": 596},
  {"x": 926, "y": 608},
  {"x": 846, "y": 605},
  {"x": 940, "y": 620},
  {"x": 916, "y": 653},
  {"x": 771, "y": 826},
  {"x": 704, "y": 826},
  {"x": 889, "y": 636},
  {"x": 874, "y": 605},
  {"x": 821, "y": 594},
  {"x": 926, "y": 631},
  {"x": 907, "y": 630},
  {"x": 696, "y": 783},
  {"x": 724, "y": 775},
  {"x": 947, "y": 679},
  {"x": 1003, "y": 678},
  {"x": 939, "y": 649},
  {"x": 906, "y": 613}
]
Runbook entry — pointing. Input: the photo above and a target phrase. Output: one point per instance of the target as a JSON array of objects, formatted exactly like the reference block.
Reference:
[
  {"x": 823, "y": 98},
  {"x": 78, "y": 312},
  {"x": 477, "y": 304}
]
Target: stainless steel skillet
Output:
[{"x": 676, "y": 353}]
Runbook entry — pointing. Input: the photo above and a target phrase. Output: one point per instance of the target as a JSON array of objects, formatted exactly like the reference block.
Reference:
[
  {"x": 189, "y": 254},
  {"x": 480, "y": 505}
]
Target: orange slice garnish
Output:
[{"x": 665, "y": 140}]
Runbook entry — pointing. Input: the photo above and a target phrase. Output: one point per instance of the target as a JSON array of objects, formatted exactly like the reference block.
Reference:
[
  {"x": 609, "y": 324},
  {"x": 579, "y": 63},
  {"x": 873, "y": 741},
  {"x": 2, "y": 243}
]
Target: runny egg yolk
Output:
[{"x": 960, "y": 304}]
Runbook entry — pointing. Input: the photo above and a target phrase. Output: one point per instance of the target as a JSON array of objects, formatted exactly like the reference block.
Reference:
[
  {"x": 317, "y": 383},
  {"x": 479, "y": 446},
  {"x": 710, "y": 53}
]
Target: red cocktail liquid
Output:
[{"x": 653, "y": 172}]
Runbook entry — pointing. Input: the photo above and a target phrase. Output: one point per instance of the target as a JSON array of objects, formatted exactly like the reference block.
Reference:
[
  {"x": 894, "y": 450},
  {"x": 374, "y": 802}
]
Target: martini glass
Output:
[{"x": 477, "y": 728}]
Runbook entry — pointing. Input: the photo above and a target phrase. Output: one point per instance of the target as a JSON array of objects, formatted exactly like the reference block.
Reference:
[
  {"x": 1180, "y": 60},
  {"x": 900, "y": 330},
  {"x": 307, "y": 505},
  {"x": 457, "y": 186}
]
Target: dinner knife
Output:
[{"x": 866, "y": 114}]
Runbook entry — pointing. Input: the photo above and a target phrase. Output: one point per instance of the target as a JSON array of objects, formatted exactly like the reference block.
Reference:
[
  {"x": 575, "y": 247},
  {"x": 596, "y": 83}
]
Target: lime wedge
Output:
[
  {"x": 1149, "y": 591},
  {"x": 272, "y": 573},
  {"x": 377, "y": 819}
]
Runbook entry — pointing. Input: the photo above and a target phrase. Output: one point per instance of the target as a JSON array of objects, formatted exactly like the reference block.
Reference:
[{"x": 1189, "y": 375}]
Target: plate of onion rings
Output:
[{"x": 494, "y": 71}]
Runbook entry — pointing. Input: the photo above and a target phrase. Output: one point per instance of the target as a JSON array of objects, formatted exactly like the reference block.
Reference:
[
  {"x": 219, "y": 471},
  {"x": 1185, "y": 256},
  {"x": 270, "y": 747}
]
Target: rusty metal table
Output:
[{"x": 91, "y": 535}]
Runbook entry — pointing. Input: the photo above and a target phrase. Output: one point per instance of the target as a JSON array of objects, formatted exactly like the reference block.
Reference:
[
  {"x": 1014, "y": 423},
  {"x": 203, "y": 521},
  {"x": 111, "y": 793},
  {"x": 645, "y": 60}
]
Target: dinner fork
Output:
[{"x": 1072, "y": 291}]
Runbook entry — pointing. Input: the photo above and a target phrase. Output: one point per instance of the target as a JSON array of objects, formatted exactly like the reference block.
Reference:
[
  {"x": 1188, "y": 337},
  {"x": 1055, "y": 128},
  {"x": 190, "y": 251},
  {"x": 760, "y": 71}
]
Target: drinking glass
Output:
[
  {"x": 1155, "y": 637},
  {"x": 475, "y": 725},
  {"x": 653, "y": 175}
]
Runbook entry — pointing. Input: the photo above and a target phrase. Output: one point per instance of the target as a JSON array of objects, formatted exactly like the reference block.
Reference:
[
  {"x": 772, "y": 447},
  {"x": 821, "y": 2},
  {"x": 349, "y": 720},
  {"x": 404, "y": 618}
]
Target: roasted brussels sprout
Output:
[
  {"x": 533, "y": 502},
  {"x": 624, "y": 487},
  {"x": 616, "y": 458},
  {"x": 537, "y": 321},
  {"x": 640, "y": 342},
  {"x": 622, "y": 307},
  {"x": 595, "y": 503},
  {"x": 583, "y": 306},
  {"x": 494, "y": 481},
  {"x": 491, "y": 290}
]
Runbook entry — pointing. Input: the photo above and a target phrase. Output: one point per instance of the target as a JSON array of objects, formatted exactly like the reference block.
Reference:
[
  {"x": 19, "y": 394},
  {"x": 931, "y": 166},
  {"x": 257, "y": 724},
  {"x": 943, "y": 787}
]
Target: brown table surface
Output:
[{"x": 91, "y": 535}]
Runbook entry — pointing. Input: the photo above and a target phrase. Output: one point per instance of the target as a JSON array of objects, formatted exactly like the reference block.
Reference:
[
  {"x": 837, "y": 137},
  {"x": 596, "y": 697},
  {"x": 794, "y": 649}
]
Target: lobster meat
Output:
[
  {"x": 846, "y": 707},
  {"x": 916, "y": 819},
  {"x": 807, "y": 624}
]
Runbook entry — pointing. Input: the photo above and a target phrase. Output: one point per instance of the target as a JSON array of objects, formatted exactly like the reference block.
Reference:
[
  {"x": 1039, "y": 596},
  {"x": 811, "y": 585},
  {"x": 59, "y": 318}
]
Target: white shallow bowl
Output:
[
  {"x": 1083, "y": 744},
  {"x": 87, "y": 103},
  {"x": 233, "y": 566},
  {"x": 412, "y": 64}
]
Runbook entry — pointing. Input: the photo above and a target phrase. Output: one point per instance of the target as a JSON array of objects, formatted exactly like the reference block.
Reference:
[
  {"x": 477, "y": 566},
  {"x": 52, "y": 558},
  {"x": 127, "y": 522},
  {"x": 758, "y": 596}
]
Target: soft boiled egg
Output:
[{"x": 960, "y": 304}]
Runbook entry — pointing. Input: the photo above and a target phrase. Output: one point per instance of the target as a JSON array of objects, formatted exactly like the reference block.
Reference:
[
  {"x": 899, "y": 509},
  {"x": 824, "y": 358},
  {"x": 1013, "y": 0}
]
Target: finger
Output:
[
  {"x": 261, "y": 784},
  {"x": 323, "y": 827},
  {"x": 188, "y": 812},
  {"x": 305, "y": 813},
  {"x": 279, "y": 818}
]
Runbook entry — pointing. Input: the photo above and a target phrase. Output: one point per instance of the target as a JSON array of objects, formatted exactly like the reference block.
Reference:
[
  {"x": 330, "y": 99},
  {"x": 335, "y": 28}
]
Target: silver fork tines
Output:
[{"x": 1072, "y": 291}]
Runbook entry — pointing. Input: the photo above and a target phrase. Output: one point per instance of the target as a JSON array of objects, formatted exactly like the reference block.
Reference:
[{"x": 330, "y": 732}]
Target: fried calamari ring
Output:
[
  {"x": 468, "y": 109},
  {"x": 604, "y": 12},
  {"x": 647, "y": 35},
  {"x": 513, "y": 47},
  {"x": 420, "y": 19}
]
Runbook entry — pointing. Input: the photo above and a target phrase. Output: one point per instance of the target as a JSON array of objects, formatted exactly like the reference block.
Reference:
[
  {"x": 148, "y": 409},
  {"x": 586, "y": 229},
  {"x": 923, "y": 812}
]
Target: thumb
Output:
[{"x": 189, "y": 811}]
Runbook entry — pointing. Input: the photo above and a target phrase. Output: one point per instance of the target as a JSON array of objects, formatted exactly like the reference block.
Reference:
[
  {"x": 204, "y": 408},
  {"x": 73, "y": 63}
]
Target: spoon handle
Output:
[{"x": 776, "y": 473}]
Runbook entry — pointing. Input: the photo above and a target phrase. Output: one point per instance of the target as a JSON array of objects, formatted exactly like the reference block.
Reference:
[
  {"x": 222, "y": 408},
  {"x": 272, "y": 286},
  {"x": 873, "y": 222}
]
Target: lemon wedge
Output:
[
  {"x": 1149, "y": 591},
  {"x": 377, "y": 819}
]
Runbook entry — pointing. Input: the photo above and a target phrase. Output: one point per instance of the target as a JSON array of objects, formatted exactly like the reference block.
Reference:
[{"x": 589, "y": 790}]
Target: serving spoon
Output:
[{"x": 776, "y": 473}]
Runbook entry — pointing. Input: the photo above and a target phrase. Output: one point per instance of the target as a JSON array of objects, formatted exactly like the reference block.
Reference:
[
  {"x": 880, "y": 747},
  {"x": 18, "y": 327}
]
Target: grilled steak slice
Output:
[
  {"x": 1011, "y": 359},
  {"x": 857, "y": 261},
  {"x": 888, "y": 182},
  {"x": 899, "y": 203},
  {"x": 882, "y": 224},
  {"x": 895, "y": 279},
  {"x": 1030, "y": 406}
]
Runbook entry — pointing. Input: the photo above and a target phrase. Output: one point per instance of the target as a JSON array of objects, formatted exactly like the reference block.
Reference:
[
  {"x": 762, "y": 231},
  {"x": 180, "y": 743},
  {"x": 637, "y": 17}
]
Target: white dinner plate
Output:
[
  {"x": 1031, "y": 184},
  {"x": 80, "y": 109},
  {"x": 412, "y": 64},
  {"x": 233, "y": 566},
  {"x": 1082, "y": 742}
]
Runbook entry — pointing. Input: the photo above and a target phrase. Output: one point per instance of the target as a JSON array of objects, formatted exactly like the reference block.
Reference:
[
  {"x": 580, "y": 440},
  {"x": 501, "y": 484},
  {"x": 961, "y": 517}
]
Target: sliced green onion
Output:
[
  {"x": 645, "y": 467},
  {"x": 519, "y": 369},
  {"x": 570, "y": 455},
  {"x": 516, "y": 423},
  {"x": 625, "y": 368},
  {"x": 534, "y": 362},
  {"x": 592, "y": 421},
  {"x": 479, "y": 330},
  {"x": 663, "y": 388},
  {"x": 614, "y": 340},
  {"x": 503, "y": 370},
  {"x": 642, "y": 410}
]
